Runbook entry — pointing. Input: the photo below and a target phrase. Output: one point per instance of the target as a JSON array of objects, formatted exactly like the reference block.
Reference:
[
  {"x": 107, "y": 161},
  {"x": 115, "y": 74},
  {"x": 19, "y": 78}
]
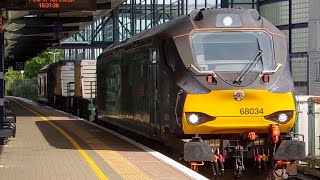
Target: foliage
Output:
[
  {"x": 26, "y": 88},
  {"x": 24, "y": 83},
  {"x": 12, "y": 75},
  {"x": 34, "y": 65}
]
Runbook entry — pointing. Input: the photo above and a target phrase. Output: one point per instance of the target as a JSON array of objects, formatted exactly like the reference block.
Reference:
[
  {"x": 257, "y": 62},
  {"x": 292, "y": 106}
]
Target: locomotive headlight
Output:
[
  {"x": 281, "y": 117},
  {"x": 193, "y": 118},
  {"x": 227, "y": 21},
  {"x": 196, "y": 118}
]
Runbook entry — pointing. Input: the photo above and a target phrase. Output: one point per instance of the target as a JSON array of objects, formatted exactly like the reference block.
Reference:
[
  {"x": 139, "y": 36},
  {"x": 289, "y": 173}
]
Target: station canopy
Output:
[{"x": 31, "y": 26}]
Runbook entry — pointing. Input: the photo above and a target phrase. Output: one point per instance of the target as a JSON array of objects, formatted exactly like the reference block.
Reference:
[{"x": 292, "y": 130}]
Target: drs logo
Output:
[{"x": 246, "y": 111}]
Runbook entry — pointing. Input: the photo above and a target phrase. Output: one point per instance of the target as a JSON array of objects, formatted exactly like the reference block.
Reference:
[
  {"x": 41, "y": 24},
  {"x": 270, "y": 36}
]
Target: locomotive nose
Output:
[{"x": 238, "y": 111}]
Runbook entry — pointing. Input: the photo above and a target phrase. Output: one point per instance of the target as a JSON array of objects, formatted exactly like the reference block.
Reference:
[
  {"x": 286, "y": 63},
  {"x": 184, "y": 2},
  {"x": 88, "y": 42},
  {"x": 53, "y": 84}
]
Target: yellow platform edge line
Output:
[
  {"x": 122, "y": 166},
  {"x": 92, "y": 164}
]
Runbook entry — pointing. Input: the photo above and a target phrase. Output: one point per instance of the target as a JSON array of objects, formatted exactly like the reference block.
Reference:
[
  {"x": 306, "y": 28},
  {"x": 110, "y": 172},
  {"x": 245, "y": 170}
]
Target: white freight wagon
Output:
[{"x": 85, "y": 88}]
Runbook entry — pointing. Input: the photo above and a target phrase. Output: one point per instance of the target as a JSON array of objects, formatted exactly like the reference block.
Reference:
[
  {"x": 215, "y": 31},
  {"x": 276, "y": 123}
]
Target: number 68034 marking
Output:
[{"x": 251, "y": 111}]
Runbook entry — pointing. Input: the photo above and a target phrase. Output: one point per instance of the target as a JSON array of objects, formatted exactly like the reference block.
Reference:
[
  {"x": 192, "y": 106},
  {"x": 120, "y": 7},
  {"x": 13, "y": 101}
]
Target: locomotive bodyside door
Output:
[{"x": 155, "y": 123}]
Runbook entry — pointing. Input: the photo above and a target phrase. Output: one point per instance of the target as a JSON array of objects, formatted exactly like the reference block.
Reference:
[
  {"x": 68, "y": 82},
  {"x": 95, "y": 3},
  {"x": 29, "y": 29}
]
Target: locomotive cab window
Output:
[
  {"x": 153, "y": 55},
  {"x": 232, "y": 51}
]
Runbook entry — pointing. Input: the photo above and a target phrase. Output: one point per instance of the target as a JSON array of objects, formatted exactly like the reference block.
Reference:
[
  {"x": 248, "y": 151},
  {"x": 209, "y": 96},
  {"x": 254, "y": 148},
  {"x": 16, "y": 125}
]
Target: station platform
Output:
[{"x": 51, "y": 144}]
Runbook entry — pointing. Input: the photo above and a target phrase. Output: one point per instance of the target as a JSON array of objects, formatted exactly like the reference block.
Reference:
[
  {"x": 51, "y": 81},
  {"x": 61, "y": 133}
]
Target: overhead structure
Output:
[
  {"x": 126, "y": 20},
  {"x": 30, "y": 27}
]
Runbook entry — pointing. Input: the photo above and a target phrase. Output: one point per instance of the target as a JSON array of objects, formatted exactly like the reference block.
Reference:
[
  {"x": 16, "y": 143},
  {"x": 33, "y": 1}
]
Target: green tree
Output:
[
  {"x": 35, "y": 64},
  {"x": 25, "y": 84},
  {"x": 12, "y": 75}
]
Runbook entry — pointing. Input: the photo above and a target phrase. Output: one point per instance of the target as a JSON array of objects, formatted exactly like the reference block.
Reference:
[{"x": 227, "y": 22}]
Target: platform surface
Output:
[{"x": 52, "y": 145}]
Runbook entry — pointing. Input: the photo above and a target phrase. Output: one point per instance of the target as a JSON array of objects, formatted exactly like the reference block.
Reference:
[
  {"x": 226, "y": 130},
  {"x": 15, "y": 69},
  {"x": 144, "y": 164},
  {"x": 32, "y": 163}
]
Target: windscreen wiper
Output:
[
  {"x": 251, "y": 67},
  {"x": 246, "y": 70}
]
